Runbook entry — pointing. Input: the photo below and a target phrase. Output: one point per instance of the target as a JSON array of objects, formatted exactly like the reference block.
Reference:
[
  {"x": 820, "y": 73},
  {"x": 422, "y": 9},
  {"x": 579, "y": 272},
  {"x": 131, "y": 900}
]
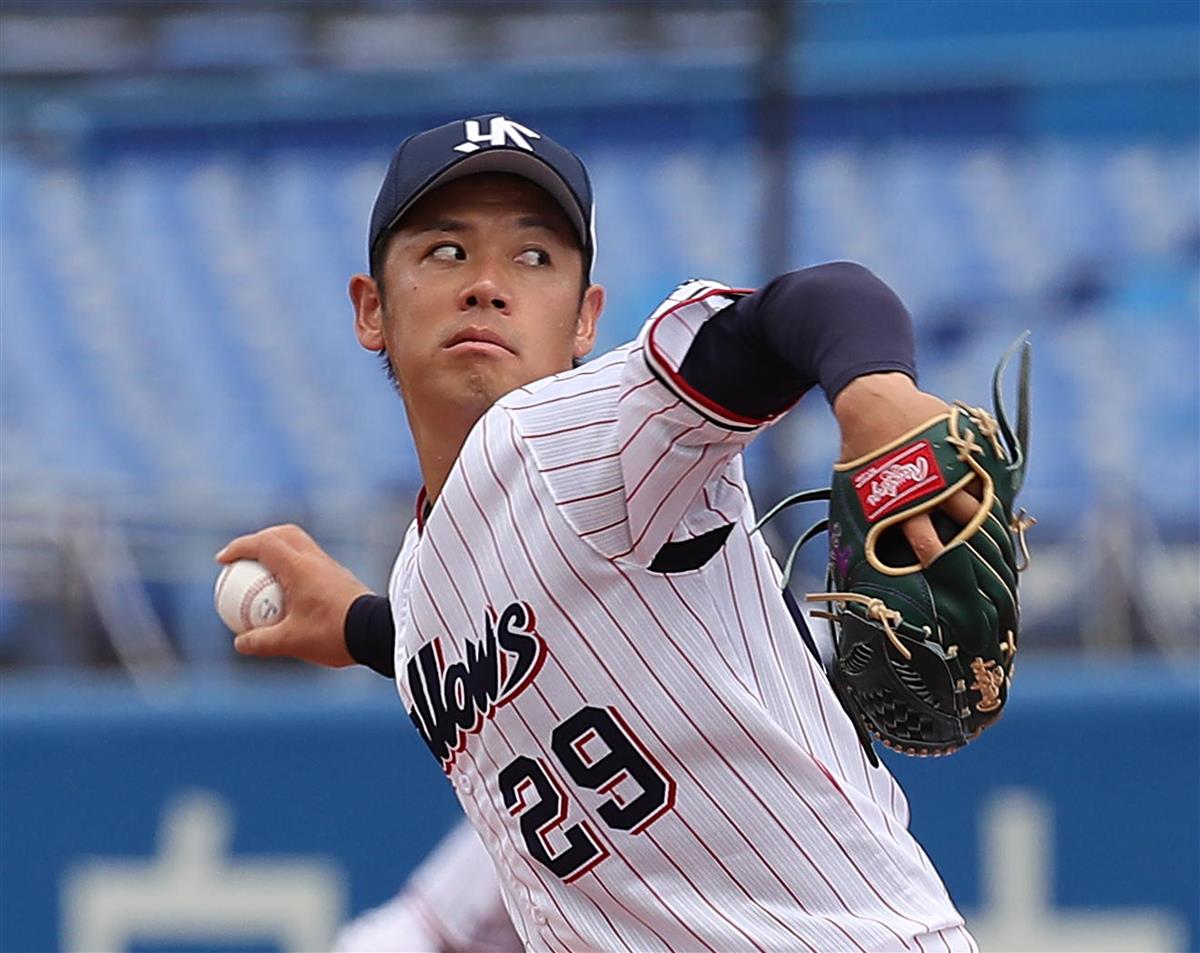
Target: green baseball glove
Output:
[{"x": 925, "y": 656}]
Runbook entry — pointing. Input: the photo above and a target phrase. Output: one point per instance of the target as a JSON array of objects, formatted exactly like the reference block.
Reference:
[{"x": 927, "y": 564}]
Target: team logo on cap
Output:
[{"x": 501, "y": 131}]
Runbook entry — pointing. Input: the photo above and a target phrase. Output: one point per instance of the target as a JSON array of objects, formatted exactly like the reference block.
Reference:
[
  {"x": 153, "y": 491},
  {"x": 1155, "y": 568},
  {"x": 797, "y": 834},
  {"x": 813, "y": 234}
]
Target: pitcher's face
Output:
[{"x": 483, "y": 292}]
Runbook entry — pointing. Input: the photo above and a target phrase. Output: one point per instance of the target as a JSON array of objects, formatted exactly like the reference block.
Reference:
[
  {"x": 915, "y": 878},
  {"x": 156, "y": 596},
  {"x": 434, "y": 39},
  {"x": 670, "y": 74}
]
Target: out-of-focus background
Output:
[{"x": 185, "y": 188}]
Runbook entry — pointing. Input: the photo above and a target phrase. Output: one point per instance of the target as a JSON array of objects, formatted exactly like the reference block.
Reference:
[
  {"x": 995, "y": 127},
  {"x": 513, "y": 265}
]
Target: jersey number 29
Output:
[{"x": 533, "y": 792}]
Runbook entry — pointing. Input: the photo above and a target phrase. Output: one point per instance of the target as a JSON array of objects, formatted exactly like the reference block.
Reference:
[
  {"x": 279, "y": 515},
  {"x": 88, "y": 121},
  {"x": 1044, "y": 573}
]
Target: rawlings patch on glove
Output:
[{"x": 925, "y": 655}]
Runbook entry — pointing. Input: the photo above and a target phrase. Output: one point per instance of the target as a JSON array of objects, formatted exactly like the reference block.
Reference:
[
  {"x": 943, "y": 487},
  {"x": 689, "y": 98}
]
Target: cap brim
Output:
[{"x": 514, "y": 162}]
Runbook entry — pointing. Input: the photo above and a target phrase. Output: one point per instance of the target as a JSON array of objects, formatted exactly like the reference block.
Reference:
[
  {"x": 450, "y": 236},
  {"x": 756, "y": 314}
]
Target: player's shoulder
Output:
[
  {"x": 580, "y": 386},
  {"x": 591, "y": 391},
  {"x": 712, "y": 294}
]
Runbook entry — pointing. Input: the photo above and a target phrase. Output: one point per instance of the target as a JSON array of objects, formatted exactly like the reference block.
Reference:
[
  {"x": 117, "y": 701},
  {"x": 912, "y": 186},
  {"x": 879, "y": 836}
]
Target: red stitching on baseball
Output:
[{"x": 244, "y": 609}]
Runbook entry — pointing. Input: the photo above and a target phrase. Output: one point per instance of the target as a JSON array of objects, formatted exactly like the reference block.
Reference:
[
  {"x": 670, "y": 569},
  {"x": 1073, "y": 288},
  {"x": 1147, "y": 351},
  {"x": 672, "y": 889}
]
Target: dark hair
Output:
[{"x": 378, "y": 259}]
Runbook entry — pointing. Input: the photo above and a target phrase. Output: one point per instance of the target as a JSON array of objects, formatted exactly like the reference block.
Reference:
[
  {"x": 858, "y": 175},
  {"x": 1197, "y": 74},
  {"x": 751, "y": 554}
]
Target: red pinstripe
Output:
[
  {"x": 691, "y": 883},
  {"x": 720, "y": 654},
  {"x": 573, "y": 395},
  {"x": 737, "y": 612},
  {"x": 571, "y": 429},
  {"x": 617, "y": 684},
  {"x": 537, "y": 875},
  {"x": 662, "y": 456},
  {"x": 631, "y": 913},
  {"x": 741, "y": 491},
  {"x": 601, "y": 529},
  {"x": 676, "y": 487},
  {"x": 619, "y": 357},
  {"x": 642, "y": 426},
  {"x": 512, "y": 519},
  {"x": 742, "y": 887},
  {"x": 635, "y": 388},
  {"x": 579, "y": 463},
  {"x": 590, "y": 496},
  {"x": 712, "y": 509},
  {"x": 782, "y": 774},
  {"x": 780, "y": 672},
  {"x": 683, "y": 711}
]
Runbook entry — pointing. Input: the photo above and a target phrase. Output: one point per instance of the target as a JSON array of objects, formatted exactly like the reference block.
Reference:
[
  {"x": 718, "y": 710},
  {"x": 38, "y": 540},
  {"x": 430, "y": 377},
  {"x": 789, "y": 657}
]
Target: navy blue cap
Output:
[{"x": 488, "y": 143}]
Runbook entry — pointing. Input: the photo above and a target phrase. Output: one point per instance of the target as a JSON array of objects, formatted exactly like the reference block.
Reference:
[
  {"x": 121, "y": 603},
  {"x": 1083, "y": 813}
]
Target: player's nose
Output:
[{"x": 485, "y": 291}]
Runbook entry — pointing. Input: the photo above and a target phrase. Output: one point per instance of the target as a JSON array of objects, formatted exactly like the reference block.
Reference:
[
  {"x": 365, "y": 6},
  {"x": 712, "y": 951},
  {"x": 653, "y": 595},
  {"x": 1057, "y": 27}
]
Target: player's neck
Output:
[{"x": 438, "y": 441}]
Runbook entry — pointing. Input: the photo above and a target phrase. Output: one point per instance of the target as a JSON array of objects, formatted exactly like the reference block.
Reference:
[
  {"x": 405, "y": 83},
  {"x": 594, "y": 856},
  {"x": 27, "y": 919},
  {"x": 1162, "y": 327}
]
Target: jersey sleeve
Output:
[
  {"x": 675, "y": 444},
  {"x": 631, "y": 455}
]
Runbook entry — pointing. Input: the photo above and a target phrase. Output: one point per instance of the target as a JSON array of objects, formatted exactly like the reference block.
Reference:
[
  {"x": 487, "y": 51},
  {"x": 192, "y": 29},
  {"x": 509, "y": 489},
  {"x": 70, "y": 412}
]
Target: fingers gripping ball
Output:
[{"x": 247, "y": 596}]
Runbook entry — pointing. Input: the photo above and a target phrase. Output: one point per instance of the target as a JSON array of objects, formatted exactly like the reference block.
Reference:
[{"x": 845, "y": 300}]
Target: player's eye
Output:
[
  {"x": 534, "y": 256},
  {"x": 448, "y": 251}
]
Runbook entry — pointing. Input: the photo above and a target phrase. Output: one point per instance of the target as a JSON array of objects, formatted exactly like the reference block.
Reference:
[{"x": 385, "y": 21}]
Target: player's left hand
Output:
[{"x": 876, "y": 409}]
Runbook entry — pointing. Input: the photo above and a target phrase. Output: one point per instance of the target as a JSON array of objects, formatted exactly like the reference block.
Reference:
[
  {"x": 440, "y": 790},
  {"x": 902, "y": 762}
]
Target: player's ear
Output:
[
  {"x": 368, "y": 312},
  {"x": 589, "y": 315}
]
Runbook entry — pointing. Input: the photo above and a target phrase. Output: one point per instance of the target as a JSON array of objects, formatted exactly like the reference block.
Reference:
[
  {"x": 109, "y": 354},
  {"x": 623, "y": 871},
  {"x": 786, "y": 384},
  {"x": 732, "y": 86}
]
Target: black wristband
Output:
[{"x": 370, "y": 633}]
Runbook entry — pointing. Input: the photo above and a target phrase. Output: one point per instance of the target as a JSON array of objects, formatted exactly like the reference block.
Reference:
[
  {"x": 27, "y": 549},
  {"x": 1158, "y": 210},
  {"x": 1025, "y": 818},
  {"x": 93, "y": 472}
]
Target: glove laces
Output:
[
  {"x": 876, "y": 609},
  {"x": 1019, "y": 524}
]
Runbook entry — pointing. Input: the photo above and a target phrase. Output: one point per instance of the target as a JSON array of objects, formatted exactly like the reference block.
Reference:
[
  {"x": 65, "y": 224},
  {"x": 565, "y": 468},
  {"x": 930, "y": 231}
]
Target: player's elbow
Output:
[
  {"x": 834, "y": 279},
  {"x": 836, "y": 289}
]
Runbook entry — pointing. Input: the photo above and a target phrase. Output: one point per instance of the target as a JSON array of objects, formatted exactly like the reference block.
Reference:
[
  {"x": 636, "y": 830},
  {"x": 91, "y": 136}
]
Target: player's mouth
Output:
[{"x": 478, "y": 340}]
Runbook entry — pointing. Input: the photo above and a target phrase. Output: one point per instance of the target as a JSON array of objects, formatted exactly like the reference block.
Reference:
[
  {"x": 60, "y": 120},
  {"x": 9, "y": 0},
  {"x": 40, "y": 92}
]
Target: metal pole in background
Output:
[
  {"x": 774, "y": 121},
  {"x": 773, "y": 115}
]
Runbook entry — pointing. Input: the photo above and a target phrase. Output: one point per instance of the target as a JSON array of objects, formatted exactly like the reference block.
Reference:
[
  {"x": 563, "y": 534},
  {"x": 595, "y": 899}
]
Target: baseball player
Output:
[
  {"x": 451, "y": 904},
  {"x": 581, "y": 623}
]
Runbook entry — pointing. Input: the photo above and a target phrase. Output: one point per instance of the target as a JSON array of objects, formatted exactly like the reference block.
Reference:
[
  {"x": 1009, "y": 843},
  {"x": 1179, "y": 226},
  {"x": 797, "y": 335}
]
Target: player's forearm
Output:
[
  {"x": 825, "y": 326},
  {"x": 370, "y": 633}
]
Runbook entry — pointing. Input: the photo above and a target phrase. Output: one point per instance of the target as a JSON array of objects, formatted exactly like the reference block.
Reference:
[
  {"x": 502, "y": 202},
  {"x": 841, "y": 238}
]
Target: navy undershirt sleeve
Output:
[
  {"x": 370, "y": 633},
  {"x": 824, "y": 325}
]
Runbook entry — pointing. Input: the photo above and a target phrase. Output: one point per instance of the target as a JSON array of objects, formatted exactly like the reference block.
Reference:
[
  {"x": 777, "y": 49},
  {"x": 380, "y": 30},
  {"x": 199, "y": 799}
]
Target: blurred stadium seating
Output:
[
  {"x": 180, "y": 215},
  {"x": 177, "y": 322}
]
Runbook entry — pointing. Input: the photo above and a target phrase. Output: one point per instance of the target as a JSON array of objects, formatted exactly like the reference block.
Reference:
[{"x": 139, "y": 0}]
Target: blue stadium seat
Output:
[{"x": 176, "y": 319}]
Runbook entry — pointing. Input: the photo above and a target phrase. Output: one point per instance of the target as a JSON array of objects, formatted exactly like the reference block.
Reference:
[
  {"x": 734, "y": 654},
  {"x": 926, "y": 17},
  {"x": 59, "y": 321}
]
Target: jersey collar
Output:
[{"x": 423, "y": 507}]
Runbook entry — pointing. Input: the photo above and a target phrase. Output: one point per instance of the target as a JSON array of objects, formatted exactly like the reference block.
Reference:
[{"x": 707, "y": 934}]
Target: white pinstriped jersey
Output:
[
  {"x": 451, "y": 902},
  {"x": 653, "y": 759}
]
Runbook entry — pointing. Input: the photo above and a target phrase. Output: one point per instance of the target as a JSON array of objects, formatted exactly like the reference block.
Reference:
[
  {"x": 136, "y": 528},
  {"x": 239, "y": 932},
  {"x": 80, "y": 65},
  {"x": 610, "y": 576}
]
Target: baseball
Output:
[{"x": 248, "y": 596}]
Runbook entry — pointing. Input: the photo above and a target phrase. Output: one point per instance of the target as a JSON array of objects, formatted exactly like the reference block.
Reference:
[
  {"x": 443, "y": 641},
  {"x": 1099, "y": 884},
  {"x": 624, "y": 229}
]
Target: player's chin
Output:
[{"x": 482, "y": 381}]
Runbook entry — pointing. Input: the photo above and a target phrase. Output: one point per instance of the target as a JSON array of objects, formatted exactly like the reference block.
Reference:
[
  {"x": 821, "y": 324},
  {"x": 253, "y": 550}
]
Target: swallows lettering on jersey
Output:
[{"x": 450, "y": 703}]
